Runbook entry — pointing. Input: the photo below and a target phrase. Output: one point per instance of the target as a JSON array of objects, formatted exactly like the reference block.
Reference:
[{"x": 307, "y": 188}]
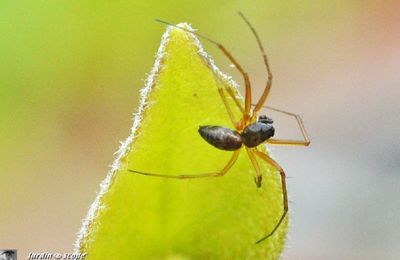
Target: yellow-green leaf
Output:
[{"x": 144, "y": 217}]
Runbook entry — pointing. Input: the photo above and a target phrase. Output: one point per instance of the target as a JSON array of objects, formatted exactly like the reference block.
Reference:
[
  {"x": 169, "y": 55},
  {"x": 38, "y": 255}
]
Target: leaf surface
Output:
[{"x": 143, "y": 217}]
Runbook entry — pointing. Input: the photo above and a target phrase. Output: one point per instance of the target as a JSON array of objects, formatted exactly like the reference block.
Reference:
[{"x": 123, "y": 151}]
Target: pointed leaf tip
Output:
[{"x": 143, "y": 217}]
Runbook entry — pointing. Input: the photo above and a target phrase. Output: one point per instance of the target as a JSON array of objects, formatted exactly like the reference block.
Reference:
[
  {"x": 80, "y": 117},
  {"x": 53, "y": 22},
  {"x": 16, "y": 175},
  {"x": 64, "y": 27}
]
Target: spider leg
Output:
[
  {"x": 228, "y": 108},
  {"x": 268, "y": 85},
  {"x": 232, "y": 94},
  {"x": 253, "y": 160},
  {"x": 247, "y": 102},
  {"x": 226, "y": 168},
  {"x": 269, "y": 160},
  {"x": 246, "y": 115},
  {"x": 221, "y": 92},
  {"x": 306, "y": 140}
]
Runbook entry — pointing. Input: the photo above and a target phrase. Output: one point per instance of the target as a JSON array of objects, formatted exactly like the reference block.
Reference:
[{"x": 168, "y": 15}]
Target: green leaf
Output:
[{"x": 144, "y": 217}]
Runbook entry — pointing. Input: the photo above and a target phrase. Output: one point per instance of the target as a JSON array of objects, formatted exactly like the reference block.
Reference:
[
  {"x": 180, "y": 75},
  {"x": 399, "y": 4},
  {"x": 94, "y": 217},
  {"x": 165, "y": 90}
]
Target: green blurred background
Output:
[{"x": 70, "y": 72}]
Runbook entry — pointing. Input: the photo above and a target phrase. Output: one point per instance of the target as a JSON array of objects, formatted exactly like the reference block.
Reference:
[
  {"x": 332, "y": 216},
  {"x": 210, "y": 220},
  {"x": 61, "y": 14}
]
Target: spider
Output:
[{"x": 250, "y": 131}]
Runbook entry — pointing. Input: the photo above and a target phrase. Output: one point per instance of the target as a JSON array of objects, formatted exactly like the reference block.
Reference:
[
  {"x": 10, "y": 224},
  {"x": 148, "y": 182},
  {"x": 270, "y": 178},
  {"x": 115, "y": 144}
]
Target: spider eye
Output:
[{"x": 265, "y": 120}]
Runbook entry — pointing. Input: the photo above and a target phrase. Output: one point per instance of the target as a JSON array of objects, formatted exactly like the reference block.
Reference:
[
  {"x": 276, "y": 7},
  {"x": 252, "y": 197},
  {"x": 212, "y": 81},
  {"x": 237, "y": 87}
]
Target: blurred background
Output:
[{"x": 70, "y": 72}]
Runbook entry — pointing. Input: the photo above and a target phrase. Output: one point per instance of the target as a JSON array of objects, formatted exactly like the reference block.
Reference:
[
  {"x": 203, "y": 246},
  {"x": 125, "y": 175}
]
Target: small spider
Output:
[{"x": 251, "y": 131}]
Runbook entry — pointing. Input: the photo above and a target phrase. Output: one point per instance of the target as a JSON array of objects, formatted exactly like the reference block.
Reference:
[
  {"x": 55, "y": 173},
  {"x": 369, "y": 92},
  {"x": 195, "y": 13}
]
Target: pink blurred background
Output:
[{"x": 70, "y": 72}]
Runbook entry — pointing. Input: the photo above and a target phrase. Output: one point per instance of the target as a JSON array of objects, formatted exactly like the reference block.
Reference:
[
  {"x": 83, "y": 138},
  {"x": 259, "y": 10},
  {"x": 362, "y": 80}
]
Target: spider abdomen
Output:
[{"x": 221, "y": 137}]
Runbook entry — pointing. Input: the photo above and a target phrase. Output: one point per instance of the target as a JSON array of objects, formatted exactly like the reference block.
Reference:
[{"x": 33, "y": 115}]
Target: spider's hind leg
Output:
[{"x": 221, "y": 173}]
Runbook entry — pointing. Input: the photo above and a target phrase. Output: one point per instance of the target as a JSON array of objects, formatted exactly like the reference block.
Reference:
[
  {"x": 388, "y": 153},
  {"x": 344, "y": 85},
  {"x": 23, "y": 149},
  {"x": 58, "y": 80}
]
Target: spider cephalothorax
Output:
[{"x": 257, "y": 133}]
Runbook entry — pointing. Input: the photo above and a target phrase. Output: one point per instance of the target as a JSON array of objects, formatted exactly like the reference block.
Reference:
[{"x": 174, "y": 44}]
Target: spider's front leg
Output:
[{"x": 305, "y": 142}]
